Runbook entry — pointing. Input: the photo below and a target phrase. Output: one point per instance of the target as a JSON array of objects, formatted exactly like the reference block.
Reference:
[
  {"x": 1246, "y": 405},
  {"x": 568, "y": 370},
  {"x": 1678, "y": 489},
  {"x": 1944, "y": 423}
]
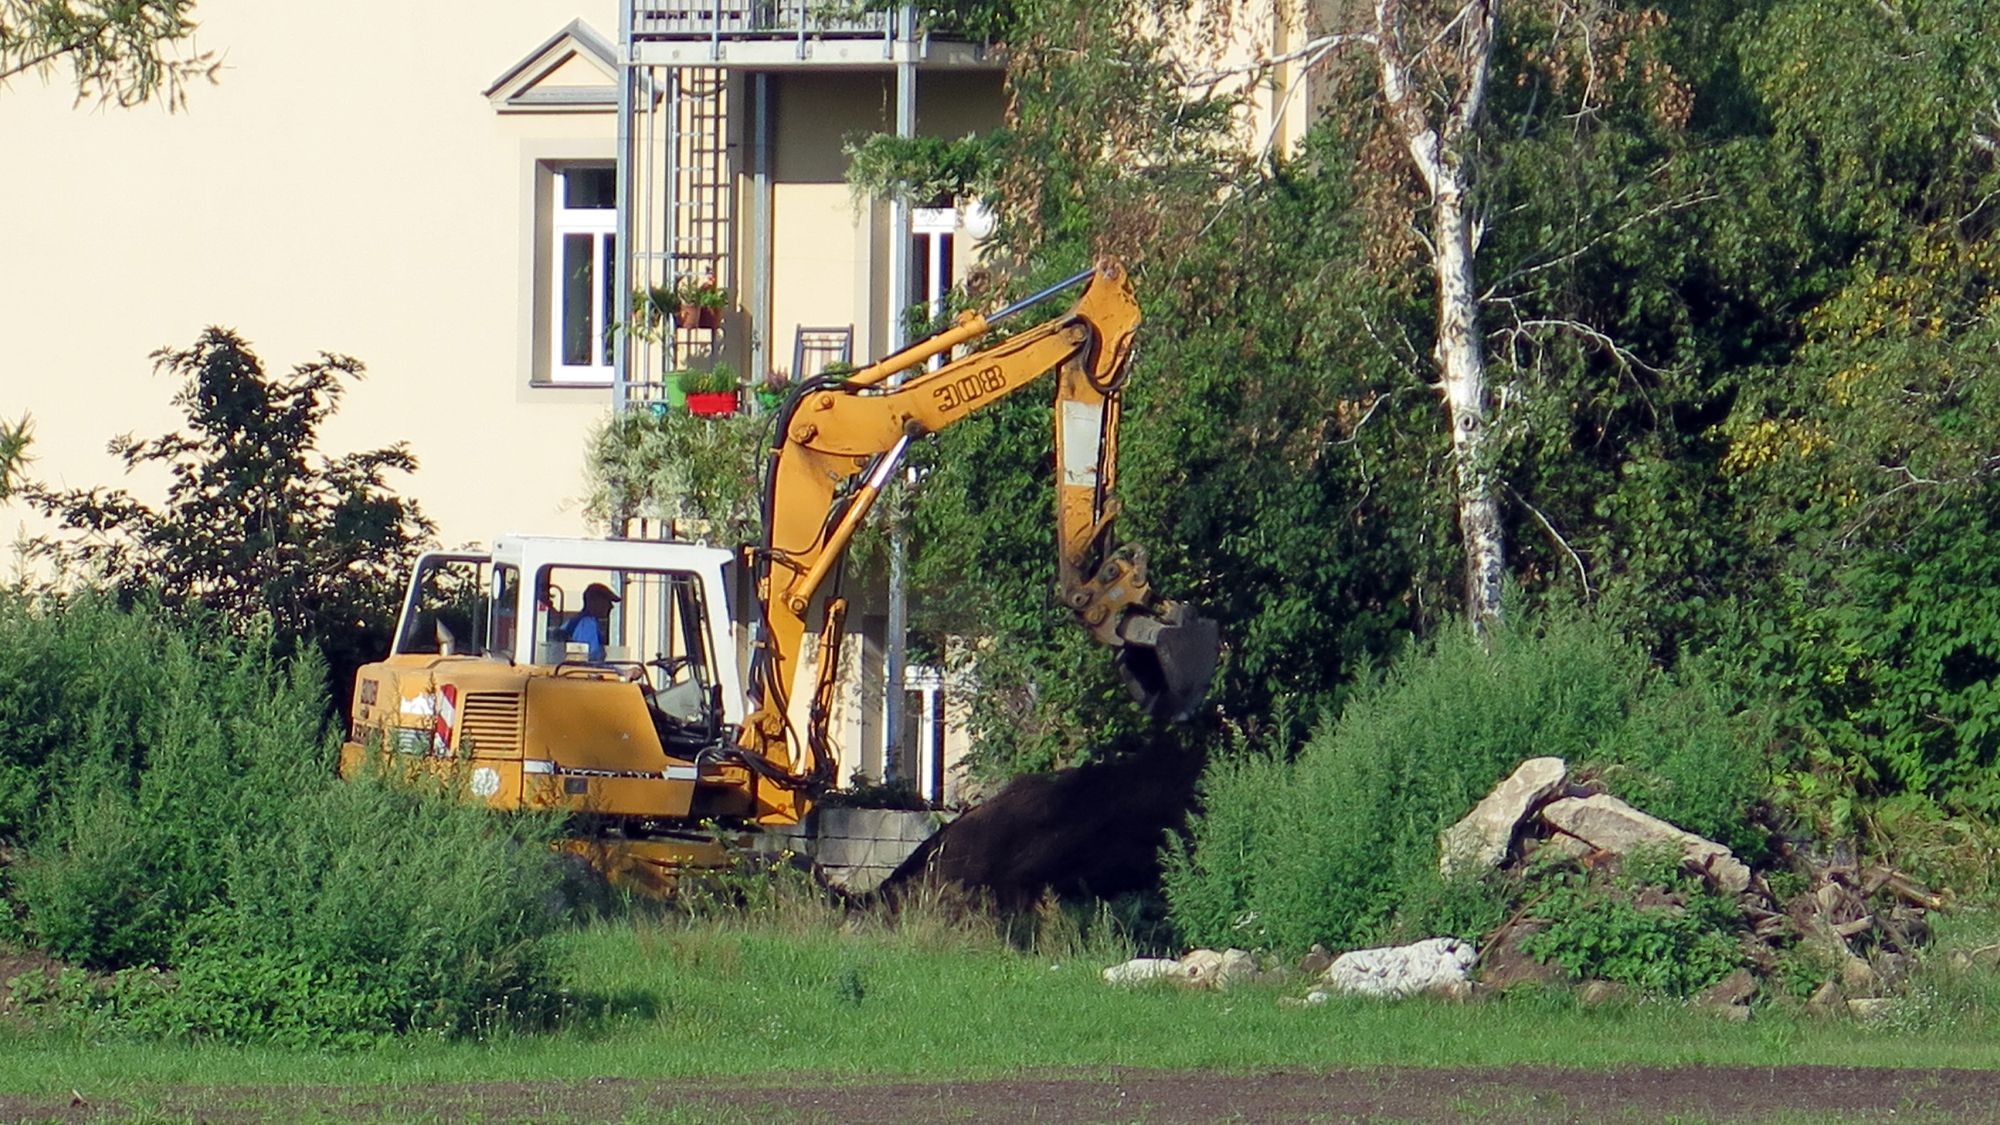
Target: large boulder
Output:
[
  {"x": 1205, "y": 968},
  {"x": 1144, "y": 970},
  {"x": 1609, "y": 824},
  {"x": 1480, "y": 841},
  {"x": 1402, "y": 970},
  {"x": 1200, "y": 968}
]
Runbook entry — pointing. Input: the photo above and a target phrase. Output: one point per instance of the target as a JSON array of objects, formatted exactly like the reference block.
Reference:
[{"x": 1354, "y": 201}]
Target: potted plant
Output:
[
  {"x": 711, "y": 393},
  {"x": 772, "y": 391},
  {"x": 676, "y": 385},
  {"x": 700, "y": 304},
  {"x": 652, "y": 307}
]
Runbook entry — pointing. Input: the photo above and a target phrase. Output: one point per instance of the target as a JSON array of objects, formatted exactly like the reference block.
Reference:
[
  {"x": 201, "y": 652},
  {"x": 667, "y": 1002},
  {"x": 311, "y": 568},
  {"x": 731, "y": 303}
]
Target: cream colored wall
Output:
[
  {"x": 829, "y": 256},
  {"x": 1235, "y": 51},
  {"x": 345, "y": 187},
  {"x": 821, "y": 272}
]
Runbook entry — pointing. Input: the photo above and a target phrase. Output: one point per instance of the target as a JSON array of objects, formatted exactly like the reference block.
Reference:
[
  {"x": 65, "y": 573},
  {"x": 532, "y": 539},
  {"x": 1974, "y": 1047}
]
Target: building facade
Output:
[{"x": 462, "y": 203}]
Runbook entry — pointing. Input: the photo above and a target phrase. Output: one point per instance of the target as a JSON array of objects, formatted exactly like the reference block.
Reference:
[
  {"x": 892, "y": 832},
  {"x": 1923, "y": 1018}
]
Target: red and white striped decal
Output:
[{"x": 445, "y": 719}]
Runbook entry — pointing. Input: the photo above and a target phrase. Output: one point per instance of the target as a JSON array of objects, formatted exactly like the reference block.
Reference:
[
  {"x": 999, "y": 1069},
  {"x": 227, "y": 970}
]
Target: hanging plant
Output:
[
  {"x": 926, "y": 171},
  {"x": 667, "y": 464},
  {"x": 652, "y": 307}
]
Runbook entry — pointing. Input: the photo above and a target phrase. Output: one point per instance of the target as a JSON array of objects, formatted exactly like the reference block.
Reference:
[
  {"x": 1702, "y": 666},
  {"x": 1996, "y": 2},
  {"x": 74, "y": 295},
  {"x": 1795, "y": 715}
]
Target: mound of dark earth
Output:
[{"x": 1094, "y": 830}]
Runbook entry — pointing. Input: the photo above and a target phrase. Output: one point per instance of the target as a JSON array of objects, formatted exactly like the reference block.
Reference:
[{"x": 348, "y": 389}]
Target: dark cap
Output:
[{"x": 599, "y": 589}]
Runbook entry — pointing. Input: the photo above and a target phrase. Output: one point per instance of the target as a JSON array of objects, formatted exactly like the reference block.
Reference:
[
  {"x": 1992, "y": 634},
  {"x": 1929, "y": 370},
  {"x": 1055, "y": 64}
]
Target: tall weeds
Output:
[
  {"x": 186, "y": 818},
  {"x": 1339, "y": 844}
]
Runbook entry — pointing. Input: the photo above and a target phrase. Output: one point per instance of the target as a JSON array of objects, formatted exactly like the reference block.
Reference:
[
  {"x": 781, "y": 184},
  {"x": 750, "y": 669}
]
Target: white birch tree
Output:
[{"x": 1433, "y": 63}]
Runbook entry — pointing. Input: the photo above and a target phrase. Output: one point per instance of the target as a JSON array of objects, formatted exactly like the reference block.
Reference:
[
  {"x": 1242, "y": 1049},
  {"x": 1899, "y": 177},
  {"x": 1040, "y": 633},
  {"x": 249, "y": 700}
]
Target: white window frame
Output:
[
  {"x": 600, "y": 224},
  {"x": 929, "y": 227}
]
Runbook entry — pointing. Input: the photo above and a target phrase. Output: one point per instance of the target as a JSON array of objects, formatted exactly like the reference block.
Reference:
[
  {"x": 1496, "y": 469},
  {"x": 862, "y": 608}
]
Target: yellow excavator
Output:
[{"x": 658, "y": 692}]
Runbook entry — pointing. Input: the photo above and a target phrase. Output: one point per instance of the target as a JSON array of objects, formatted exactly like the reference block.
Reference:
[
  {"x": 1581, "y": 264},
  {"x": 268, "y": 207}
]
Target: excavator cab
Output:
[{"x": 492, "y": 676}]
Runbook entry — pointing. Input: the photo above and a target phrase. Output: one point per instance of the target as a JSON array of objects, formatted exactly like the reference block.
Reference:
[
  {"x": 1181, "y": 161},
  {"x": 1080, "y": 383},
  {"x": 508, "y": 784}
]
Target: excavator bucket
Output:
[{"x": 1168, "y": 659}]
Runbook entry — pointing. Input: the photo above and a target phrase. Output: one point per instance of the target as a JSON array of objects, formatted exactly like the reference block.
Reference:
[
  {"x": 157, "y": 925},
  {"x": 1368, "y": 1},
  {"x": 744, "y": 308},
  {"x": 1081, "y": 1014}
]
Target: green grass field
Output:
[{"x": 770, "y": 1001}]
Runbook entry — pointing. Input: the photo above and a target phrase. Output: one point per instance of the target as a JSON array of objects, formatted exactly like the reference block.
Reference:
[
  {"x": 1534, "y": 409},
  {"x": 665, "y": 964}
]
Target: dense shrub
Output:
[
  {"x": 67, "y": 698},
  {"x": 1604, "y": 929},
  {"x": 371, "y": 908},
  {"x": 213, "y": 741},
  {"x": 1339, "y": 845},
  {"x": 200, "y": 829},
  {"x": 257, "y": 522}
]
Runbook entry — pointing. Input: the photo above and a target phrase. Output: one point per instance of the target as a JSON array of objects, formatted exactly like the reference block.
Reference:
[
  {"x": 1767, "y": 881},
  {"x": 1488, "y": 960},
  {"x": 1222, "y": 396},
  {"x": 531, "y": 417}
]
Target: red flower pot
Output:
[{"x": 711, "y": 404}]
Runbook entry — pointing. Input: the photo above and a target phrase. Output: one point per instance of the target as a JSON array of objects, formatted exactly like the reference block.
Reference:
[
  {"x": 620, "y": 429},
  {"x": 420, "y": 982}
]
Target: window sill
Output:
[{"x": 547, "y": 385}]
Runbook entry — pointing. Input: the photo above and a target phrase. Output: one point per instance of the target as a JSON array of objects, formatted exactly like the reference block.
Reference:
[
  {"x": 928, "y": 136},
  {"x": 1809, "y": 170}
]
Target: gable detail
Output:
[{"x": 573, "y": 71}]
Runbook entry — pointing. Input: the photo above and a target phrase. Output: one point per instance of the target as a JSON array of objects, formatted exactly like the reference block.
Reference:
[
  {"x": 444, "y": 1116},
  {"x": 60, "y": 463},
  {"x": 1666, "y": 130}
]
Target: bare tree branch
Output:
[
  {"x": 1312, "y": 53},
  {"x": 1598, "y": 239},
  {"x": 1582, "y": 572},
  {"x": 1625, "y": 357}
]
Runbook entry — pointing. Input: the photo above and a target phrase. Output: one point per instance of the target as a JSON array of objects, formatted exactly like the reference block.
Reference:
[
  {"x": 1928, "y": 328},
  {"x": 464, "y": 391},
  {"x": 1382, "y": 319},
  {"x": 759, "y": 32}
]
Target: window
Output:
[
  {"x": 653, "y": 621},
  {"x": 450, "y": 606},
  {"x": 932, "y": 231},
  {"x": 583, "y": 242}
]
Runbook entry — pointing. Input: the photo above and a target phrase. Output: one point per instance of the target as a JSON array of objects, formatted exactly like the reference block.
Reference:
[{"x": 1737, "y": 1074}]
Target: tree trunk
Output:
[
  {"x": 1461, "y": 360},
  {"x": 1438, "y": 149}
]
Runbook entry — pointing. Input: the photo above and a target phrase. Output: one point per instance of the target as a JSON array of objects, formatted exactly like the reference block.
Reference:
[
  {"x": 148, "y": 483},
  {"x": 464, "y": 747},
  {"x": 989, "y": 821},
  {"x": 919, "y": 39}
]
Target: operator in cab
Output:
[{"x": 592, "y": 627}]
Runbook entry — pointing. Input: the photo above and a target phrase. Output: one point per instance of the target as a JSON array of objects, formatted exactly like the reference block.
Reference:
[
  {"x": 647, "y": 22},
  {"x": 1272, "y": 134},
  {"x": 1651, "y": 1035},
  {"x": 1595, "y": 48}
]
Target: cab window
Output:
[
  {"x": 654, "y": 618},
  {"x": 449, "y": 607}
]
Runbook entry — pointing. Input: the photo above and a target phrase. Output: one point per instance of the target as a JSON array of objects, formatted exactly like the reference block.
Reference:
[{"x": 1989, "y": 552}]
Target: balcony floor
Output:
[{"x": 768, "y": 52}]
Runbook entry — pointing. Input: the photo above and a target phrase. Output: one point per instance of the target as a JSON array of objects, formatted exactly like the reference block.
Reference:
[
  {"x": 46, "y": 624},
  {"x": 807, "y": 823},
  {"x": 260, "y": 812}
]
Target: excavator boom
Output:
[{"x": 836, "y": 443}]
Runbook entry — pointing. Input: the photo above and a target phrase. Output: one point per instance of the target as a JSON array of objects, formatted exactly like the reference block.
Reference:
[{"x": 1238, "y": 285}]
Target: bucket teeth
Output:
[{"x": 1168, "y": 660}]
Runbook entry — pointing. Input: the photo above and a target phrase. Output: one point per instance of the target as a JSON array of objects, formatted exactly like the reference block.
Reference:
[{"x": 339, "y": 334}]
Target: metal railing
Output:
[{"x": 764, "y": 19}]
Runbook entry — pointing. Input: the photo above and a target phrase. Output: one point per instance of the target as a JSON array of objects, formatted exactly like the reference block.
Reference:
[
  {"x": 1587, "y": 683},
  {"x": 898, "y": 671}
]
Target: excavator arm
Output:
[{"x": 837, "y": 443}]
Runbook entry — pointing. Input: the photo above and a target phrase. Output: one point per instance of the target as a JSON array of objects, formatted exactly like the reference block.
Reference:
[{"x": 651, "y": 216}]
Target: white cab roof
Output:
[{"x": 534, "y": 551}]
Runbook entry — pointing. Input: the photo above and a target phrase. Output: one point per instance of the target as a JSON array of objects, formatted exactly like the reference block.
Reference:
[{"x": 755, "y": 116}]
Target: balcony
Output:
[
  {"x": 737, "y": 19},
  {"x": 762, "y": 34}
]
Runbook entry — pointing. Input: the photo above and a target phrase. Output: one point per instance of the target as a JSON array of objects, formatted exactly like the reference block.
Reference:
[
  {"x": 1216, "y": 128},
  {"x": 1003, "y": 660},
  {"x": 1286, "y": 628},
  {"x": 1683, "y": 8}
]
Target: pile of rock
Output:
[
  {"x": 1577, "y": 823},
  {"x": 1862, "y": 922}
]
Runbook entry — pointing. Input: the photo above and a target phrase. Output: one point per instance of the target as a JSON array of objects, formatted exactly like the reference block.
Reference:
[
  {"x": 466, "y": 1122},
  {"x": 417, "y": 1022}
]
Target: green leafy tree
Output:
[
  {"x": 15, "y": 438},
  {"x": 1733, "y": 266},
  {"x": 1860, "y": 464},
  {"x": 119, "y": 52},
  {"x": 256, "y": 520},
  {"x": 1285, "y": 458}
]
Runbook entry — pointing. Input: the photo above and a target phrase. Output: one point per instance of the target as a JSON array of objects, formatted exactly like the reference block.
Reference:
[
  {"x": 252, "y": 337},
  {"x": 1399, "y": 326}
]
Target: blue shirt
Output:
[{"x": 583, "y": 629}]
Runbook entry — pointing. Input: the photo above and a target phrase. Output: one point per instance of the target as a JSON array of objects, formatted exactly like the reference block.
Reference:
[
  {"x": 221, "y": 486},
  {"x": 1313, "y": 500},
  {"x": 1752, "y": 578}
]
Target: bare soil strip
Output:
[{"x": 1539, "y": 1094}]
